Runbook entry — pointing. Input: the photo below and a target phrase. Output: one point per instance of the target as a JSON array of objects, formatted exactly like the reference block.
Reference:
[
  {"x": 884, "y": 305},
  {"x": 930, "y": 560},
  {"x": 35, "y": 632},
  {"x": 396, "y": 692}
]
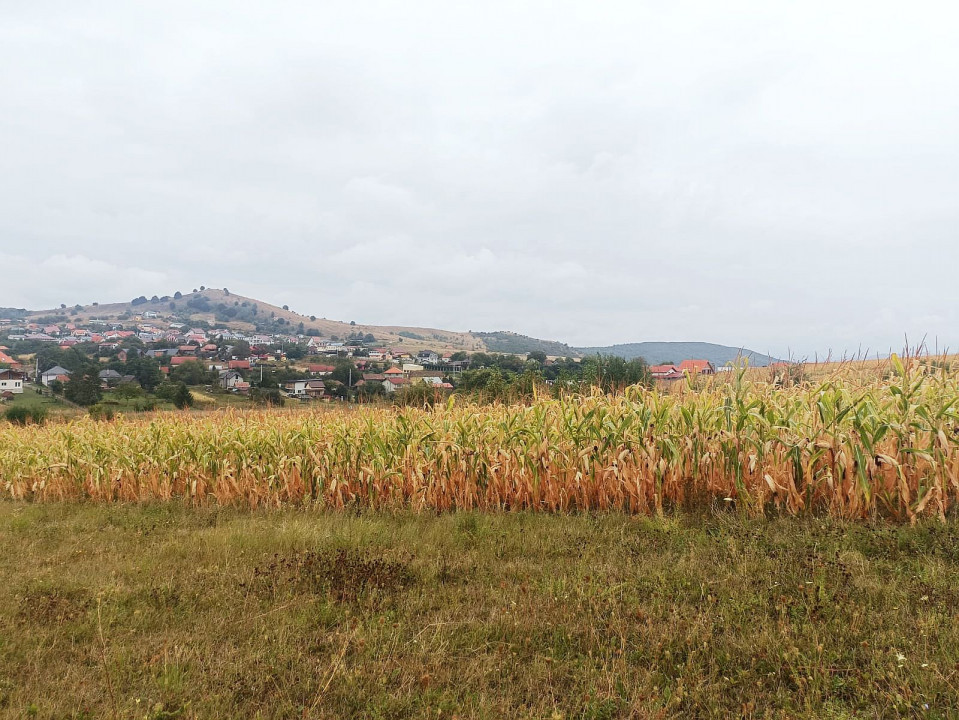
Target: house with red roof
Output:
[
  {"x": 697, "y": 367},
  {"x": 392, "y": 384},
  {"x": 665, "y": 372}
]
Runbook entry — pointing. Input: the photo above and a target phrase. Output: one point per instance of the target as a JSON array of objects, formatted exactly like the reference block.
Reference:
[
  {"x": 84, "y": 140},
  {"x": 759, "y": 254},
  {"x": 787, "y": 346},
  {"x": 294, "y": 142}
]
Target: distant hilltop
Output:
[
  {"x": 226, "y": 309},
  {"x": 656, "y": 353}
]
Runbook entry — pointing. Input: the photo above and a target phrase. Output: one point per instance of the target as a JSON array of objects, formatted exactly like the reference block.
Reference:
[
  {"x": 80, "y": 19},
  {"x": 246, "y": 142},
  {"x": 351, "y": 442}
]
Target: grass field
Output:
[
  {"x": 163, "y": 611},
  {"x": 32, "y": 399}
]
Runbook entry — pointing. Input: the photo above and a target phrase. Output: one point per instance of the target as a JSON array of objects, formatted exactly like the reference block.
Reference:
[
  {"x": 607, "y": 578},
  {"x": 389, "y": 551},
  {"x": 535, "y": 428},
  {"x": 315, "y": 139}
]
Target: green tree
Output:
[
  {"x": 612, "y": 374},
  {"x": 241, "y": 350},
  {"x": 192, "y": 372},
  {"x": 83, "y": 388},
  {"x": 128, "y": 391},
  {"x": 343, "y": 370},
  {"x": 371, "y": 391},
  {"x": 146, "y": 370},
  {"x": 182, "y": 398}
]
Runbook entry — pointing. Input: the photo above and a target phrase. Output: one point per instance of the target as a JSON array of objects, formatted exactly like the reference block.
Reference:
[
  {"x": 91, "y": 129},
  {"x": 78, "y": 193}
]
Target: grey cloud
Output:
[{"x": 782, "y": 177}]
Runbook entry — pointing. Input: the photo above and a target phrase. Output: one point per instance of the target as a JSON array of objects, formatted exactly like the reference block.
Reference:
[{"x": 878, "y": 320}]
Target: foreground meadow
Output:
[
  {"x": 166, "y": 611},
  {"x": 739, "y": 549},
  {"x": 884, "y": 446}
]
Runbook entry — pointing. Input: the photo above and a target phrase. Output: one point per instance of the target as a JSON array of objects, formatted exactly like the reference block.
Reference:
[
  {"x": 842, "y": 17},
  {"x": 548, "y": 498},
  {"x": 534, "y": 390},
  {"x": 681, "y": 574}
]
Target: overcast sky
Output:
[{"x": 782, "y": 176}]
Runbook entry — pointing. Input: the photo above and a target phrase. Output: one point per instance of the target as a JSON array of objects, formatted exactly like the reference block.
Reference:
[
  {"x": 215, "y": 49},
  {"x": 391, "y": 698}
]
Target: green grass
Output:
[
  {"x": 161, "y": 611},
  {"x": 31, "y": 398}
]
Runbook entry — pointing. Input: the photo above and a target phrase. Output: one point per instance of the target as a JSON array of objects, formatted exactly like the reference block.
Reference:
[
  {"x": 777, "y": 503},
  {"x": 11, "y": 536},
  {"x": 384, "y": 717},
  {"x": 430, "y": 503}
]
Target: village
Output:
[
  {"x": 297, "y": 367},
  {"x": 238, "y": 359}
]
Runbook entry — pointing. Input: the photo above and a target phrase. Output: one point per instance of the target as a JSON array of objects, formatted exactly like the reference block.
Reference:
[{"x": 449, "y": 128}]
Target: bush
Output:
[
  {"x": 269, "y": 397},
  {"x": 101, "y": 411},
  {"x": 19, "y": 415}
]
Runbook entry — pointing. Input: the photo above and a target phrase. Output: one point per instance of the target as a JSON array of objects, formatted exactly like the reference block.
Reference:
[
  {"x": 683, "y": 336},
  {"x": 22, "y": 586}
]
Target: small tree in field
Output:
[{"x": 183, "y": 398}]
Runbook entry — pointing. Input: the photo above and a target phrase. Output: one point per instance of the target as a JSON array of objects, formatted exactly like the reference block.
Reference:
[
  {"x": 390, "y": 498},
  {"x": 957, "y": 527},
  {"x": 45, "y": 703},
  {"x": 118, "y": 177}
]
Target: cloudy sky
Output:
[{"x": 783, "y": 176}]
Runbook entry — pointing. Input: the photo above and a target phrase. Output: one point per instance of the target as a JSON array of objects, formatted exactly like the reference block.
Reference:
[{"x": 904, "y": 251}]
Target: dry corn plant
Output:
[{"x": 853, "y": 445}]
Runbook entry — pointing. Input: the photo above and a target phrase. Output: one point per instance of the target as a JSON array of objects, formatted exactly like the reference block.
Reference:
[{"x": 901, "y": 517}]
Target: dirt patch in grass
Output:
[
  {"x": 54, "y": 604},
  {"x": 345, "y": 575}
]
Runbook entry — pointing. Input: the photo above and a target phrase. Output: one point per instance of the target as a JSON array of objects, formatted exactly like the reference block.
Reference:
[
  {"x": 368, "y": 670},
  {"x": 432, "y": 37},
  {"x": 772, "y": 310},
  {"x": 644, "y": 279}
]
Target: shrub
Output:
[
  {"x": 20, "y": 415},
  {"x": 101, "y": 411}
]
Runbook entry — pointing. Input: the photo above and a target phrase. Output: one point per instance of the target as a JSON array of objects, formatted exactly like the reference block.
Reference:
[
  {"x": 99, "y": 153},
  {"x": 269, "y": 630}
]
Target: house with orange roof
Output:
[
  {"x": 697, "y": 367},
  {"x": 665, "y": 372}
]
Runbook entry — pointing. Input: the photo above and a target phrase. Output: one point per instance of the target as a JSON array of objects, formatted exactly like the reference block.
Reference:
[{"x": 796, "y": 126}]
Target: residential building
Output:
[
  {"x": 666, "y": 372},
  {"x": 306, "y": 388},
  {"x": 54, "y": 373},
  {"x": 697, "y": 367},
  {"x": 392, "y": 384},
  {"x": 230, "y": 379},
  {"x": 12, "y": 381}
]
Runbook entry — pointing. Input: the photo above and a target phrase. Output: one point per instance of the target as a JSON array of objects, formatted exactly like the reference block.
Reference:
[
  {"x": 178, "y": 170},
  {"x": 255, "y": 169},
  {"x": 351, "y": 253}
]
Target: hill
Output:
[
  {"x": 237, "y": 312},
  {"x": 662, "y": 352},
  {"x": 504, "y": 341}
]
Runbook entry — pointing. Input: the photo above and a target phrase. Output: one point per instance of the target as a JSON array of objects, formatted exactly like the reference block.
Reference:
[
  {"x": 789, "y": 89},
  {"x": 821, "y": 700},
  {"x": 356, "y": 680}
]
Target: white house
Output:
[
  {"x": 427, "y": 357},
  {"x": 230, "y": 379},
  {"x": 305, "y": 388},
  {"x": 11, "y": 381},
  {"x": 392, "y": 384},
  {"x": 55, "y": 373}
]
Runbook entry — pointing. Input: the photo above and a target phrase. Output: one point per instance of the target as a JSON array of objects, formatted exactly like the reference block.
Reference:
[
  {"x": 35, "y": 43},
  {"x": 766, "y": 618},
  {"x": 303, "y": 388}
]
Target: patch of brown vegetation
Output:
[
  {"x": 345, "y": 575},
  {"x": 54, "y": 604}
]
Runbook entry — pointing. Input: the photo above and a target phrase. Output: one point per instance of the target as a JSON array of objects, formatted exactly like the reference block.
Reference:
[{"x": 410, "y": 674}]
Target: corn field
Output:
[{"x": 887, "y": 447}]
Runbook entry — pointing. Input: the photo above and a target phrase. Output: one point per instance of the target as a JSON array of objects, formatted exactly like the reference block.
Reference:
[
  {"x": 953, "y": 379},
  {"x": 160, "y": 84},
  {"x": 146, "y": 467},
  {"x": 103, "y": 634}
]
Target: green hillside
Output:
[
  {"x": 509, "y": 342},
  {"x": 660, "y": 352}
]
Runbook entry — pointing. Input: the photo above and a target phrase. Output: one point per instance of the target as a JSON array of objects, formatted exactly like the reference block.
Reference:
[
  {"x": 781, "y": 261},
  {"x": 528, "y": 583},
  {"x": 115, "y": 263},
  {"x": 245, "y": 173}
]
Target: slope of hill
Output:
[
  {"x": 237, "y": 312},
  {"x": 662, "y": 352},
  {"x": 504, "y": 341},
  {"x": 224, "y": 308}
]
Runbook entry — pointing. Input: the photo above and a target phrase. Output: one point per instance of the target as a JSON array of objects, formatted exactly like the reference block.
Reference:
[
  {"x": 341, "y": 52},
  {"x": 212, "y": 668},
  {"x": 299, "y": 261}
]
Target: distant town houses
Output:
[
  {"x": 174, "y": 344},
  {"x": 7, "y": 361}
]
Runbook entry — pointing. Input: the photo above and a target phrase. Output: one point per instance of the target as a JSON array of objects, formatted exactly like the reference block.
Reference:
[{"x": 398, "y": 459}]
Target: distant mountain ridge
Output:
[
  {"x": 248, "y": 314},
  {"x": 656, "y": 353}
]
